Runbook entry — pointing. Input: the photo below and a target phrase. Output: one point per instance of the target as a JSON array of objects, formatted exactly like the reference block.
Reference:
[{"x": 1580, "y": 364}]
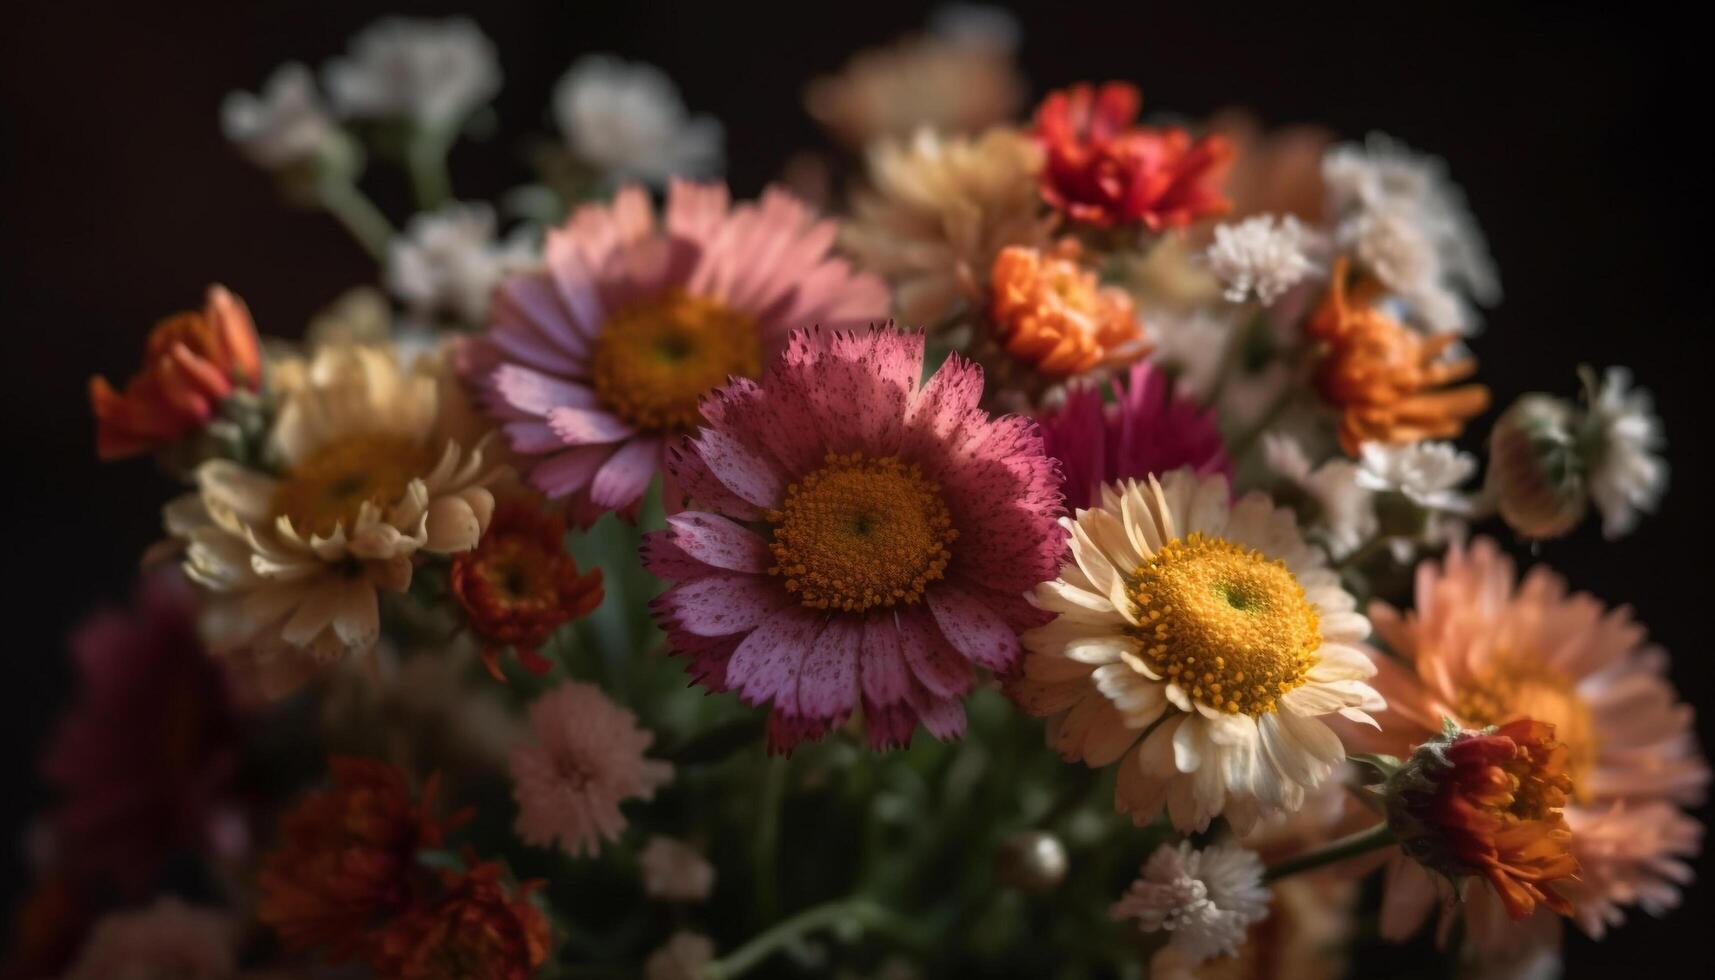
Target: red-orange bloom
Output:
[
  {"x": 519, "y": 584},
  {"x": 1101, "y": 169},
  {"x": 477, "y": 929},
  {"x": 192, "y": 362},
  {"x": 1051, "y": 314},
  {"x": 1491, "y": 805},
  {"x": 348, "y": 861},
  {"x": 1387, "y": 380}
]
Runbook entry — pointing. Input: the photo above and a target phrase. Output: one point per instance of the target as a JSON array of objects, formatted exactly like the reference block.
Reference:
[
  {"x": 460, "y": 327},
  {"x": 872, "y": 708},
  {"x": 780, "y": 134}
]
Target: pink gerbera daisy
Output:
[
  {"x": 1146, "y": 430},
  {"x": 586, "y": 759},
  {"x": 1484, "y": 648},
  {"x": 595, "y": 363},
  {"x": 865, "y": 538}
]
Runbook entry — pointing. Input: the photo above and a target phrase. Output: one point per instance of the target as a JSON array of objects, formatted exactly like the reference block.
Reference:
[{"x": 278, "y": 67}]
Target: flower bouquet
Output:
[{"x": 1050, "y": 555}]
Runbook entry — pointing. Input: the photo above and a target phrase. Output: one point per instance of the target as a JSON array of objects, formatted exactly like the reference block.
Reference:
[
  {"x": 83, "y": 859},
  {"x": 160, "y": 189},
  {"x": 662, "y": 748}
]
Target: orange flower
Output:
[
  {"x": 518, "y": 584},
  {"x": 475, "y": 930},
  {"x": 1050, "y": 313},
  {"x": 348, "y": 863},
  {"x": 192, "y": 362},
  {"x": 1386, "y": 379},
  {"x": 1491, "y": 804},
  {"x": 1103, "y": 170}
]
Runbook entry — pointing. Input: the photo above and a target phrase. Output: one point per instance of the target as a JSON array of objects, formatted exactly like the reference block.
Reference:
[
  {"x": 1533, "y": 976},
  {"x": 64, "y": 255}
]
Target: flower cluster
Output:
[{"x": 649, "y": 524}]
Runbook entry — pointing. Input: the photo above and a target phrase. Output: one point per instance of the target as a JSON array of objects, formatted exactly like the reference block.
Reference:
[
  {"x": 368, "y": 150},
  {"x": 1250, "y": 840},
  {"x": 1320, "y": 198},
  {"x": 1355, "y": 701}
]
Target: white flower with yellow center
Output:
[
  {"x": 1198, "y": 643},
  {"x": 294, "y": 558}
]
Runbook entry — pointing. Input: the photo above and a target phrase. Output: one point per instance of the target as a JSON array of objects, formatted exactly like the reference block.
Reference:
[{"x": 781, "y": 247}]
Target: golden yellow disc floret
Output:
[
  {"x": 1229, "y": 625},
  {"x": 861, "y": 533},
  {"x": 330, "y": 486},
  {"x": 654, "y": 360}
]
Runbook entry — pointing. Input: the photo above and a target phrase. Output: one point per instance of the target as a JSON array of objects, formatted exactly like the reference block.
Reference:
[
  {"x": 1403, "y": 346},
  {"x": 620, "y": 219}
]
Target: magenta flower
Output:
[
  {"x": 144, "y": 758},
  {"x": 596, "y": 362},
  {"x": 1145, "y": 429},
  {"x": 865, "y": 538}
]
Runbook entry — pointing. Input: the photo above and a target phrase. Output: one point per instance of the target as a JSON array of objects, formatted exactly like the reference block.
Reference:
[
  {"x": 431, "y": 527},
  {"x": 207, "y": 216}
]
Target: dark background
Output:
[{"x": 1581, "y": 137}]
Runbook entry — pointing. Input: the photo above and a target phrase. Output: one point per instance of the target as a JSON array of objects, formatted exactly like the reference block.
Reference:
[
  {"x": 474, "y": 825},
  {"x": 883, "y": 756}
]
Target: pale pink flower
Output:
[
  {"x": 674, "y": 871},
  {"x": 1484, "y": 648},
  {"x": 906, "y": 525},
  {"x": 596, "y": 362},
  {"x": 587, "y": 758},
  {"x": 168, "y": 940},
  {"x": 1148, "y": 428}
]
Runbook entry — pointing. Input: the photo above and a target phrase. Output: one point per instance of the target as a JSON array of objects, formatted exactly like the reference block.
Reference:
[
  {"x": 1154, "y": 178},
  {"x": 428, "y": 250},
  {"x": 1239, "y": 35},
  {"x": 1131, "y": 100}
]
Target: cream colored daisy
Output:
[
  {"x": 1198, "y": 643},
  {"x": 295, "y": 557},
  {"x": 940, "y": 210}
]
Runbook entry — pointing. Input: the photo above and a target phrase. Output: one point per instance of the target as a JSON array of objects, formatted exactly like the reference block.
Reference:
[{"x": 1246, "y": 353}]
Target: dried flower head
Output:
[
  {"x": 477, "y": 927},
  {"x": 1206, "y": 899}
]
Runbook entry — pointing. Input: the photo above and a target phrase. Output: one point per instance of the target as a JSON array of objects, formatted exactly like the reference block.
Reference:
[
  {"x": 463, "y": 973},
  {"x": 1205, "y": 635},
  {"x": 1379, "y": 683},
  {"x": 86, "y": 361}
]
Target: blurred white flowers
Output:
[
  {"x": 447, "y": 262},
  {"x": 432, "y": 72},
  {"x": 1332, "y": 503},
  {"x": 1627, "y": 474},
  {"x": 1206, "y": 899},
  {"x": 627, "y": 119},
  {"x": 1263, "y": 255},
  {"x": 284, "y": 124},
  {"x": 1426, "y": 473},
  {"x": 674, "y": 871}
]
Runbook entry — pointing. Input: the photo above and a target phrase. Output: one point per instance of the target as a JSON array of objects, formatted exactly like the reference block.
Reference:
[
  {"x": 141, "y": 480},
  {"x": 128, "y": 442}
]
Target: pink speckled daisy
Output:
[
  {"x": 1146, "y": 430},
  {"x": 595, "y": 362},
  {"x": 586, "y": 759},
  {"x": 863, "y": 538}
]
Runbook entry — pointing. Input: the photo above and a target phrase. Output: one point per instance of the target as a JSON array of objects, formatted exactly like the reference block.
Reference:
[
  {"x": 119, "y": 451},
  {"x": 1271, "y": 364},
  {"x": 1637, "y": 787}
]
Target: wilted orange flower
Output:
[
  {"x": 1491, "y": 804},
  {"x": 519, "y": 584},
  {"x": 477, "y": 929},
  {"x": 192, "y": 362},
  {"x": 1386, "y": 379},
  {"x": 1104, "y": 170},
  {"x": 348, "y": 861},
  {"x": 1050, "y": 312}
]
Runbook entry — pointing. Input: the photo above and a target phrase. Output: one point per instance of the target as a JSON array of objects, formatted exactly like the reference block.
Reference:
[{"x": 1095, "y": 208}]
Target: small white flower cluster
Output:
[
  {"x": 1426, "y": 473},
  {"x": 627, "y": 120},
  {"x": 1207, "y": 899},
  {"x": 285, "y": 124},
  {"x": 1406, "y": 221},
  {"x": 448, "y": 262},
  {"x": 1262, "y": 255},
  {"x": 431, "y": 72},
  {"x": 674, "y": 871},
  {"x": 1627, "y": 473},
  {"x": 1342, "y": 512}
]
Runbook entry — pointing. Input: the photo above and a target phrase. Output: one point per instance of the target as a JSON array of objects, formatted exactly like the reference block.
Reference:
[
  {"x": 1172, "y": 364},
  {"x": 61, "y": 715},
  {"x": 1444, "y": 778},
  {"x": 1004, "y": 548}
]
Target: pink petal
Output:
[
  {"x": 583, "y": 426},
  {"x": 535, "y": 393},
  {"x": 567, "y": 472},
  {"x": 934, "y": 662},
  {"x": 973, "y": 628},
  {"x": 736, "y": 466},
  {"x": 533, "y": 438},
  {"x": 943, "y": 717},
  {"x": 765, "y": 665},
  {"x": 722, "y": 605},
  {"x": 828, "y": 679},
  {"x": 624, "y": 478},
  {"x": 716, "y": 541},
  {"x": 665, "y": 560},
  {"x": 886, "y": 679}
]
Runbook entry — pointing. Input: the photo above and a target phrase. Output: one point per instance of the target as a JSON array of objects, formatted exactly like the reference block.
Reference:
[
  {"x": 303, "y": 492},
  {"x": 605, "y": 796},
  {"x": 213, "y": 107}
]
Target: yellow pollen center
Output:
[
  {"x": 655, "y": 359},
  {"x": 861, "y": 533},
  {"x": 1524, "y": 687},
  {"x": 329, "y": 487},
  {"x": 1231, "y": 627}
]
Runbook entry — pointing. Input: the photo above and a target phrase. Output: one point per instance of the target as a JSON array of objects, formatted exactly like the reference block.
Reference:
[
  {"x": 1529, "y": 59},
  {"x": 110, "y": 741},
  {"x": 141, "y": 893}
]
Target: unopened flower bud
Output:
[
  {"x": 1032, "y": 861},
  {"x": 1536, "y": 472}
]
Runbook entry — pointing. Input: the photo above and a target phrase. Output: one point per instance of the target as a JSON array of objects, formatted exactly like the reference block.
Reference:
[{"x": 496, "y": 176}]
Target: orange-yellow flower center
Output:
[
  {"x": 1052, "y": 314},
  {"x": 655, "y": 359},
  {"x": 1230, "y": 626},
  {"x": 861, "y": 533},
  {"x": 1524, "y": 687},
  {"x": 329, "y": 487}
]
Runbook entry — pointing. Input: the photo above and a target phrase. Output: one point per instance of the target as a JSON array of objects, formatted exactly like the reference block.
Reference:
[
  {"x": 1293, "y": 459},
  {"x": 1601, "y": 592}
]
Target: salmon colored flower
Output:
[
  {"x": 519, "y": 583},
  {"x": 1389, "y": 382},
  {"x": 1490, "y": 804},
  {"x": 1050, "y": 313},
  {"x": 348, "y": 860},
  {"x": 479, "y": 928},
  {"x": 191, "y": 363},
  {"x": 1103, "y": 170}
]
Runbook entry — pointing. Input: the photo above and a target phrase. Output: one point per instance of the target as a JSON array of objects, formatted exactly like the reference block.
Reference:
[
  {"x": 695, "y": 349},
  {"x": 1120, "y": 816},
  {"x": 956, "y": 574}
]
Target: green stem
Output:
[
  {"x": 765, "y": 856},
  {"x": 1364, "y": 841},
  {"x": 426, "y": 159},
  {"x": 855, "y": 911},
  {"x": 353, "y": 209}
]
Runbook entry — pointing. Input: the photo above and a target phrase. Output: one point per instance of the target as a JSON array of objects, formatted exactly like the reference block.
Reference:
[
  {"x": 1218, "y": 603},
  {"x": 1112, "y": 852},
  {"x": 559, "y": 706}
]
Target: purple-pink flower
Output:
[
  {"x": 1146, "y": 429},
  {"x": 864, "y": 538},
  {"x": 596, "y": 362}
]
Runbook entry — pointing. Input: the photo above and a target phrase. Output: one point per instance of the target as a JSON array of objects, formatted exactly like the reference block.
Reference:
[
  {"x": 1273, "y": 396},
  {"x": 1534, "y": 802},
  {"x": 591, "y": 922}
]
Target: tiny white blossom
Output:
[
  {"x": 1627, "y": 474},
  {"x": 1427, "y": 473},
  {"x": 682, "y": 958},
  {"x": 434, "y": 72},
  {"x": 1262, "y": 255},
  {"x": 674, "y": 871},
  {"x": 283, "y": 124},
  {"x": 1342, "y": 512},
  {"x": 448, "y": 262},
  {"x": 627, "y": 119},
  {"x": 1207, "y": 899}
]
